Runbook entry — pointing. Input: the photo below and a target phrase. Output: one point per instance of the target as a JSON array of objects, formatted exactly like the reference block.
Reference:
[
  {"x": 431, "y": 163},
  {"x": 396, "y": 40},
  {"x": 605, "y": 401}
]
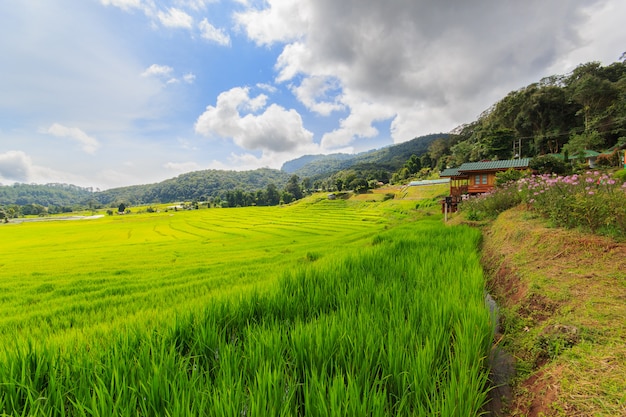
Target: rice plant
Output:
[{"x": 396, "y": 325}]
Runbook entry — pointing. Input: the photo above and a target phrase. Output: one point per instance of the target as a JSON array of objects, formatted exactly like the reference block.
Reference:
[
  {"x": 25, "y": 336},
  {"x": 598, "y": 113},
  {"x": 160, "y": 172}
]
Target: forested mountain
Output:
[
  {"x": 585, "y": 109},
  {"x": 49, "y": 195},
  {"x": 389, "y": 159},
  {"x": 298, "y": 163},
  {"x": 197, "y": 185}
]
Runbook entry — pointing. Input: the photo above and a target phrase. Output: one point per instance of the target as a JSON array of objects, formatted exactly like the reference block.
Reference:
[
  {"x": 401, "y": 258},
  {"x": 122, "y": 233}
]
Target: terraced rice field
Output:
[{"x": 320, "y": 308}]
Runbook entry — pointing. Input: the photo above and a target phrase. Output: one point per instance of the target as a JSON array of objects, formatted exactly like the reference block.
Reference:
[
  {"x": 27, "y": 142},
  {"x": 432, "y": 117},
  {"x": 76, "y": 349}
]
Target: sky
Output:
[{"x": 111, "y": 93}]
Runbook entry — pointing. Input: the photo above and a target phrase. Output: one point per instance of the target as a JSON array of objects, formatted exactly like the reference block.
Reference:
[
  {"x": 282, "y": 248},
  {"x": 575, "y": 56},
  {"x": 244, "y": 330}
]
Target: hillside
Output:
[
  {"x": 197, "y": 185},
  {"x": 561, "y": 294},
  {"x": 60, "y": 195},
  {"x": 390, "y": 159},
  {"x": 201, "y": 185}
]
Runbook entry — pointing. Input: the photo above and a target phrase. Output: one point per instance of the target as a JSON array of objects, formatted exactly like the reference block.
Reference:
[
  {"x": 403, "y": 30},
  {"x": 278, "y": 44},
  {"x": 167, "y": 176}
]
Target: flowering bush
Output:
[
  {"x": 489, "y": 205},
  {"x": 594, "y": 201}
]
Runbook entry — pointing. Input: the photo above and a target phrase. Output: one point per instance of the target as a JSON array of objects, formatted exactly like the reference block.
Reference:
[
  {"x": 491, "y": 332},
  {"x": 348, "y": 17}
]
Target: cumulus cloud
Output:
[
  {"x": 213, "y": 34},
  {"x": 156, "y": 70},
  {"x": 175, "y": 18},
  {"x": 196, "y": 5},
  {"x": 430, "y": 65},
  {"x": 86, "y": 142},
  {"x": 319, "y": 94},
  {"x": 189, "y": 78},
  {"x": 16, "y": 166},
  {"x": 123, "y": 4},
  {"x": 165, "y": 73},
  {"x": 181, "y": 167},
  {"x": 267, "y": 128},
  {"x": 183, "y": 14},
  {"x": 283, "y": 21}
]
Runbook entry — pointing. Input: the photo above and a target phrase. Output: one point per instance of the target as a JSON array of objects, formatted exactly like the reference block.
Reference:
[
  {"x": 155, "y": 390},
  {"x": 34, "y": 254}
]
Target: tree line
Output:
[{"x": 583, "y": 110}]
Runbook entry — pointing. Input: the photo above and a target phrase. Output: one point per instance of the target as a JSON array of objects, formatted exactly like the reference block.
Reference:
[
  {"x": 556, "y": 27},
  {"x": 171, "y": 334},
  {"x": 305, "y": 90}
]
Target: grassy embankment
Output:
[
  {"x": 320, "y": 308},
  {"x": 563, "y": 299},
  {"x": 562, "y": 291}
]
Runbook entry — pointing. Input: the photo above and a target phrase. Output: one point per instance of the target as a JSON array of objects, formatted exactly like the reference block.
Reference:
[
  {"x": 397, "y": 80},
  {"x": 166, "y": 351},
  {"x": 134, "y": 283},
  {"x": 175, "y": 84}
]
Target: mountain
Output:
[
  {"x": 48, "y": 195},
  {"x": 197, "y": 185},
  {"x": 298, "y": 163},
  {"x": 390, "y": 158}
]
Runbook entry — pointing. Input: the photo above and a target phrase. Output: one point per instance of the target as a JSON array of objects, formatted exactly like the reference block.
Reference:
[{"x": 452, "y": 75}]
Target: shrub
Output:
[
  {"x": 510, "y": 175},
  {"x": 548, "y": 164},
  {"x": 489, "y": 205},
  {"x": 593, "y": 201},
  {"x": 620, "y": 175}
]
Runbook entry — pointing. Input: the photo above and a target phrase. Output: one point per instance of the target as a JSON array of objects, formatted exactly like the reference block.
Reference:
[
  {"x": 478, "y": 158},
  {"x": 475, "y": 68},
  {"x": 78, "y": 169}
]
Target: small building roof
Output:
[
  {"x": 587, "y": 153},
  {"x": 468, "y": 167},
  {"x": 449, "y": 172},
  {"x": 499, "y": 165}
]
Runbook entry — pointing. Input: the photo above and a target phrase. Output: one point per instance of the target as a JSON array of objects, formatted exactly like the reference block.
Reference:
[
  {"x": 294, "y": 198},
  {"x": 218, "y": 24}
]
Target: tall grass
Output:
[{"x": 397, "y": 328}]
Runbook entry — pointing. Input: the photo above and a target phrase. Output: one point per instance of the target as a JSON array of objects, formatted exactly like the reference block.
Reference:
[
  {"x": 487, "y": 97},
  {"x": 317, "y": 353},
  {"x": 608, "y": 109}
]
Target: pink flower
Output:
[{"x": 591, "y": 193}]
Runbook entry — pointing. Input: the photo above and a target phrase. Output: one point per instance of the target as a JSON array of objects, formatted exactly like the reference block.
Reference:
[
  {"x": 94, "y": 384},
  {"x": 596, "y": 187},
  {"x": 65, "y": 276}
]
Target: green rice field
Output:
[{"x": 321, "y": 308}]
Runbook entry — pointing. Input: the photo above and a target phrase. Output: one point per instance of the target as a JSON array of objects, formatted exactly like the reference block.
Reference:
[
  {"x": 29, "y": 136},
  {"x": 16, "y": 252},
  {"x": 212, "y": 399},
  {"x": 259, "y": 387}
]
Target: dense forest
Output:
[
  {"x": 584, "y": 110},
  {"x": 560, "y": 114}
]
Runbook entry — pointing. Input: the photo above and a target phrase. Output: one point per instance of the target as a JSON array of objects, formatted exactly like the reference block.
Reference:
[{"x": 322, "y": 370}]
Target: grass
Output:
[
  {"x": 562, "y": 293},
  {"x": 319, "y": 308}
]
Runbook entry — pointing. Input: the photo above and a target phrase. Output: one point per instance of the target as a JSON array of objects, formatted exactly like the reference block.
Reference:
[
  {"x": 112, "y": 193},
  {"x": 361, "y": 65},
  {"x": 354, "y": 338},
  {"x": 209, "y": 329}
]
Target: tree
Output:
[
  {"x": 437, "y": 149},
  {"x": 121, "y": 208},
  {"x": 413, "y": 164},
  {"x": 307, "y": 185},
  {"x": 293, "y": 187},
  {"x": 548, "y": 164},
  {"x": 272, "y": 195}
]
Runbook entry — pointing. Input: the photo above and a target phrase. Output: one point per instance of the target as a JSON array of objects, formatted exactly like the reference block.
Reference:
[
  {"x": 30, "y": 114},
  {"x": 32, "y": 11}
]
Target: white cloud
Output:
[
  {"x": 156, "y": 70},
  {"x": 175, "y": 18},
  {"x": 181, "y": 167},
  {"x": 315, "y": 91},
  {"x": 87, "y": 143},
  {"x": 213, "y": 34},
  {"x": 16, "y": 166},
  {"x": 267, "y": 87},
  {"x": 195, "y": 5},
  {"x": 358, "y": 124},
  {"x": 189, "y": 78},
  {"x": 283, "y": 21},
  {"x": 432, "y": 64},
  {"x": 276, "y": 129},
  {"x": 123, "y": 4},
  {"x": 164, "y": 73}
]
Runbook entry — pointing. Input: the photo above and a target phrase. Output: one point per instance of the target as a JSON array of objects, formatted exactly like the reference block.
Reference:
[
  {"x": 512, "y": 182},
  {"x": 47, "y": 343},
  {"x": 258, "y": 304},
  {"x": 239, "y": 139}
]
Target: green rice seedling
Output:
[{"x": 398, "y": 327}]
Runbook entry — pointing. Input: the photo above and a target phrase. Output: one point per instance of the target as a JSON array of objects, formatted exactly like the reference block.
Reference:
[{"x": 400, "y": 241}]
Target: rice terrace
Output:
[{"x": 320, "y": 308}]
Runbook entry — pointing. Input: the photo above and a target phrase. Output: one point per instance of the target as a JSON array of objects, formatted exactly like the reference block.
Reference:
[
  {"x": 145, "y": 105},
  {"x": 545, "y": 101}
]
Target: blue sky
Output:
[{"x": 108, "y": 93}]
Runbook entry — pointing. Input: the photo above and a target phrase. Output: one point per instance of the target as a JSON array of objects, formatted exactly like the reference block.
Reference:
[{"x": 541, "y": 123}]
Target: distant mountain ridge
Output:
[
  {"x": 200, "y": 185},
  {"x": 390, "y": 158}
]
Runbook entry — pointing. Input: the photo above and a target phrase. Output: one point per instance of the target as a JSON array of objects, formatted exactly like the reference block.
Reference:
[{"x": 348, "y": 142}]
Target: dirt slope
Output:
[{"x": 562, "y": 296}]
